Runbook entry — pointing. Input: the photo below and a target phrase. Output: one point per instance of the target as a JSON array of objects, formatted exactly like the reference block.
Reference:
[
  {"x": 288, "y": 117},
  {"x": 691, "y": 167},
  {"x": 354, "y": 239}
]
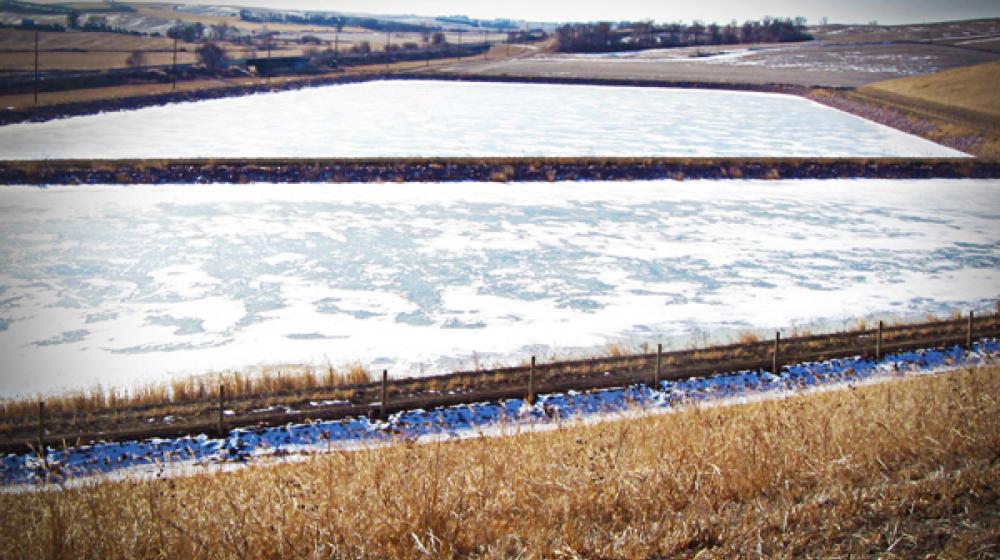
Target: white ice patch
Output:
[
  {"x": 414, "y": 118},
  {"x": 138, "y": 283}
]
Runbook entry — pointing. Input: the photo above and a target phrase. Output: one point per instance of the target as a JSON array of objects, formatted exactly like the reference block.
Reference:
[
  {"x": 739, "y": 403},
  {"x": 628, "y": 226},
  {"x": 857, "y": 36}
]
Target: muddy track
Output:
[{"x": 512, "y": 382}]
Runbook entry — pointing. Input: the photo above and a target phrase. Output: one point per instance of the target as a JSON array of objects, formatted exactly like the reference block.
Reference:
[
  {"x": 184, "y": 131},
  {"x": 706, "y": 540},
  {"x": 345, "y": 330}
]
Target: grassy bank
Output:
[
  {"x": 957, "y": 108},
  {"x": 495, "y": 169},
  {"x": 902, "y": 469},
  {"x": 971, "y": 89}
]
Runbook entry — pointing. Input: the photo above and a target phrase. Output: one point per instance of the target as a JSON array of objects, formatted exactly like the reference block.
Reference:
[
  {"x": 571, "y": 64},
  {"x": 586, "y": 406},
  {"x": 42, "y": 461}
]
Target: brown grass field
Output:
[
  {"x": 71, "y": 51},
  {"x": 905, "y": 469},
  {"x": 26, "y": 100},
  {"x": 973, "y": 88},
  {"x": 101, "y": 51}
]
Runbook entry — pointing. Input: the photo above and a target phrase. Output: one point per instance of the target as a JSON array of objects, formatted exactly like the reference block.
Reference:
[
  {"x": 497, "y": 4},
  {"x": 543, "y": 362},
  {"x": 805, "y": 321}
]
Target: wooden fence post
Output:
[
  {"x": 175, "y": 64},
  {"x": 656, "y": 372},
  {"x": 775, "y": 363},
  {"x": 385, "y": 394},
  {"x": 968, "y": 332},
  {"x": 531, "y": 382},
  {"x": 222, "y": 410},
  {"x": 36, "y": 68},
  {"x": 878, "y": 343},
  {"x": 41, "y": 428}
]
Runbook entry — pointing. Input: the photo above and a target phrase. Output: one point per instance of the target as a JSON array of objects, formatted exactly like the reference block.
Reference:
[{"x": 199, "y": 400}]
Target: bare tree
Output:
[
  {"x": 220, "y": 31},
  {"x": 136, "y": 60},
  {"x": 212, "y": 56}
]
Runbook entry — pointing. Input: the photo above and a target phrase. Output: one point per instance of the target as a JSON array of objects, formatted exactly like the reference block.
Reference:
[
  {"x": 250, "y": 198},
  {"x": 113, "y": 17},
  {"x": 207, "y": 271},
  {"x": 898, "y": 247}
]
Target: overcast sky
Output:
[{"x": 838, "y": 11}]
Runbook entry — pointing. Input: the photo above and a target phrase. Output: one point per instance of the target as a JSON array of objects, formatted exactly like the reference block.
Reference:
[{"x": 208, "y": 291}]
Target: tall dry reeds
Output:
[
  {"x": 242, "y": 384},
  {"x": 898, "y": 470}
]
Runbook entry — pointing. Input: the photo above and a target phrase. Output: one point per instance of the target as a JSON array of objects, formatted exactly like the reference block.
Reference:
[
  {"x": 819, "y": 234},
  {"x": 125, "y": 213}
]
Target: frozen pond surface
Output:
[
  {"x": 123, "y": 284},
  {"x": 412, "y": 118}
]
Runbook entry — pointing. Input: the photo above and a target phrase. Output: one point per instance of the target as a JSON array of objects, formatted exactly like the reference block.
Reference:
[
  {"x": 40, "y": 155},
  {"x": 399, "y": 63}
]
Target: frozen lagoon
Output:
[
  {"x": 127, "y": 284},
  {"x": 428, "y": 118}
]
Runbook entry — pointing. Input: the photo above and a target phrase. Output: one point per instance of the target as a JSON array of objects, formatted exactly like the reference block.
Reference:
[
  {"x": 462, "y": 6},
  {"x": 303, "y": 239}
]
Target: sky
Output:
[{"x": 838, "y": 11}]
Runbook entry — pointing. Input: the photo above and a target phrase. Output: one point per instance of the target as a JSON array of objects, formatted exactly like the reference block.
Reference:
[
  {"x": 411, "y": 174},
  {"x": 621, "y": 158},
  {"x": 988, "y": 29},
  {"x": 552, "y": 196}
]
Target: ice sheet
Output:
[
  {"x": 427, "y": 118},
  {"x": 124, "y": 284}
]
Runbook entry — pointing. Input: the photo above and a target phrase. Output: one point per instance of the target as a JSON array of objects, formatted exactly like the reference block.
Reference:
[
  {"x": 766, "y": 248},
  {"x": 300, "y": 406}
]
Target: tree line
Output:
[
  {"x": 633, "y": 36},
  {"x": 339, "y": 22}
]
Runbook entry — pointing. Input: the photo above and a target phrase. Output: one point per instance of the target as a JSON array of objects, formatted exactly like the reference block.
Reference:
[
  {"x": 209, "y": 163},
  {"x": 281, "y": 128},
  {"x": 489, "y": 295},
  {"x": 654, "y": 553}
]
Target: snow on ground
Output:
[
  {"x": 119, "y": 285},
  {"x": 158, "y": 457},
  {"x": 416, "y": 118}
]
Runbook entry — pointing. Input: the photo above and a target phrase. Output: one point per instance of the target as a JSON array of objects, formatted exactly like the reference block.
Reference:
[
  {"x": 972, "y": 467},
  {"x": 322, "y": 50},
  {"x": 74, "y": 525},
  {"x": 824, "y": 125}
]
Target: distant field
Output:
[
  {"x": 78, "y": 51},
  {"x": 968, "y": 32},
  {"x": 98, "y": 51},
  {"x": 20, "y": 40},
  {"x": 24, "y": 61},
  {"x": 842, "y": 56},
  {"x": 804, "y": 64}
]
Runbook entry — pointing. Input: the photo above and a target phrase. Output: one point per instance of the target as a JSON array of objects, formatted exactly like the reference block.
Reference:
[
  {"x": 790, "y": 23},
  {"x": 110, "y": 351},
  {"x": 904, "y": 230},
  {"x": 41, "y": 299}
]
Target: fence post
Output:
[
  {"x": 878, "y": 343},
  {"x": 531, "y": 382},
  {"x": 174, "y": 72},
  {"x": 222, "y": 409},
  {"x": 656, "y": 372},
  {"x": 36, "y": 68},
  {"x": 968, "y": 333},
  {"x": 776, "y": 364},
  {"x": 385, "y": 394},
  {"x": 41, "y": 428}
]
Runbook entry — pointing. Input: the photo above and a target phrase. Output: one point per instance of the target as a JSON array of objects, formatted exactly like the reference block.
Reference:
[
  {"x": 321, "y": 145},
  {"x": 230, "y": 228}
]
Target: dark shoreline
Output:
[{"x": 527, "y": 169}]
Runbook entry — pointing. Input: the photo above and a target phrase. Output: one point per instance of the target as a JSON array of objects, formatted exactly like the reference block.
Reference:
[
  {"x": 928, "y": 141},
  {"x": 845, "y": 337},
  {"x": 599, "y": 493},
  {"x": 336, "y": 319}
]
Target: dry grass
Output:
[
  {"x": 21, "y": 40},
  {"x": 269, "y": 381},
  {"x": 747, "y": 337},
  {"x": 101, "y": 51},
  {"x": 898, "y": 470},
  {"x": 961, "y": 104},
  {"x": 24, "y": 61},
  {"x": 973, "y": 88}
]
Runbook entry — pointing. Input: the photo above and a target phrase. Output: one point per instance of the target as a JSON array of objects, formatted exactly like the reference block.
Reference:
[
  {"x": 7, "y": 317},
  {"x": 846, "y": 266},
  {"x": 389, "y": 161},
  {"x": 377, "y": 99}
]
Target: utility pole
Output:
[
  {"x": 486, "y": 39},
  {"x": 336, "y": 47},
  {"x": 267, "y": 75},
  {"x": 36, "y": 68},
  {"x": 388, "y": 49},
  {"x": 175, "y": 62}
]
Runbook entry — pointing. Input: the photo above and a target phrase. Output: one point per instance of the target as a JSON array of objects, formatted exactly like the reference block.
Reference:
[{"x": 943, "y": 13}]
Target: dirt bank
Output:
[{"x": 376, "y": 170}]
